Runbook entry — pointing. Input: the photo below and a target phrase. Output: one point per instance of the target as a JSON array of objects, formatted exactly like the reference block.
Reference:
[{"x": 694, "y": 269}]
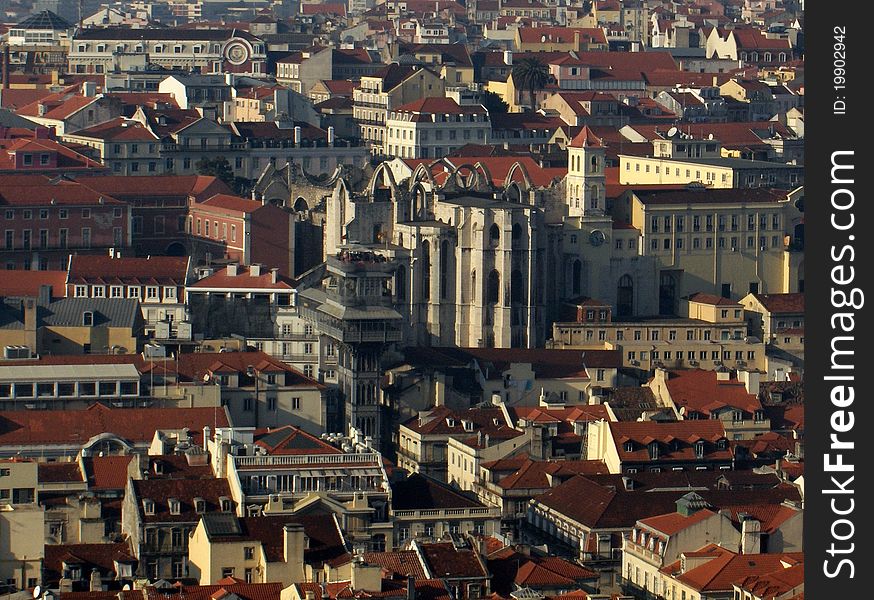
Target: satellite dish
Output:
[
  {"x": 37, "y": 591},
  {"x": 126, "y": 587},
  {"x": 709, "y": 136},
  {"x": 672, "y": 132}
]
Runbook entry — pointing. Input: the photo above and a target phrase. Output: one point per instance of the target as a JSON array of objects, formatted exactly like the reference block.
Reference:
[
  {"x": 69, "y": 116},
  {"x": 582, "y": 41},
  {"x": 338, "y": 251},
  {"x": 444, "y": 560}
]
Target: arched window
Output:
[
  {"x": 577, "y": 277},
  {"x": 625, "y": 296},
  {"x": 667, "y": 294},
  {"x": 300, "y": 205},
  {"x": 401, "y": 283},
  {"x": 473, "y": 289},
  {"x": 426, "y": 271},
  {"x": 782, "y": 57},
  {"x": 594, "y": 163},
  {"x": 494, "y": 235},
  {"x": 444, "y": 269},
  {"x": 493, "y": 288},
  {"x": 517, "y": 235},
  {"x": 517, "y": 287},
  {"x": 767, "y": 57}
]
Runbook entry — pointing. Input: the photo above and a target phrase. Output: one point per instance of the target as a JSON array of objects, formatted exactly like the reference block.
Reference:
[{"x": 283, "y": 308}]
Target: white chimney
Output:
[
  {"x": 297, "y": 135},
  {"x": 89, "y": 89},
  {"x": 255, "y": 270},
  {"x": 331, "y": 135},
  {"x": 508, "y": 57},
  {"x": 750, "y": 536},
  {"x": 294, "y": 545},
  {"x": 274, "y": 275},
  {"x": 751, "y": 380},
  {"x": 232, "y": 270}
]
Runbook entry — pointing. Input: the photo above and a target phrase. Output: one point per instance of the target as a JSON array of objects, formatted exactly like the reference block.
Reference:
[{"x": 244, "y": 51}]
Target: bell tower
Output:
[{"x": 586, "y": 184}]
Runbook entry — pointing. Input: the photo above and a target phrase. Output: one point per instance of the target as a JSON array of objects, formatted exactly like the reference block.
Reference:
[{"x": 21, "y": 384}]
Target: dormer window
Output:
[
  {"x": 653, "y": 450},
  {"x": 225, "y": 504},
  {"x": 87, "y": 319},
  {"x": 699, "y": 449},
  {"x": 722, "y": 444},
  {"x": 148, "y": 506},
  {"x": 628, "y": 446},
  {"x": 450, "y": 422},
  {"x": 199, "y": 505},
  {"x": 175, "y": 506},
  {"x": 468, "y": 425}
]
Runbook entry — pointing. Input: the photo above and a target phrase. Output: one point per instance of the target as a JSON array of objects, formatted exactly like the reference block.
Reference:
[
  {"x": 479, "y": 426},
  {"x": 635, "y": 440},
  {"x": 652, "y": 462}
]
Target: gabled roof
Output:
[
  {"x": 703, "y": 392},
  {"x": 244, "y": 591},
  {"x": 27, "y": 283},
  {"x": 102, "y": 557},
  {"x": 118, "y": 129},
  {"x": 109, "y": 472},
  {"x": 161, "y": 491},
  {"x": 404, "y": 563},
  {"x": 244, "y": 279},
  {"x": 229, "y": 204},
  {"x": 673, "y": 523},
  {"x": 440, "y": 106},
  {"x": 446, "y": 561},
  {"x": 676, "y": 440},
  {"x": 777, "y": 304},
  {"x": 291, "y": 440},
  {"x": 727, "y": 568}
]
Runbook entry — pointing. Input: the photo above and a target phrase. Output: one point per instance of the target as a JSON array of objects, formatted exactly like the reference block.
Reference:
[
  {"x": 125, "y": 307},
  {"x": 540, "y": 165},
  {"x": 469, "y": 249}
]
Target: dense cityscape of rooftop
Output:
[{"x": 411, "y": 299}]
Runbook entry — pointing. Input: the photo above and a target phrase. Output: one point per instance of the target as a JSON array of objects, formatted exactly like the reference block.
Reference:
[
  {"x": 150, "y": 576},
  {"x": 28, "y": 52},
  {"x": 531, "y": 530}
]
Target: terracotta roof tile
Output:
[
  {"x": 245, "y": 591},
  {"x": 88, "y": 556},
  {"x": 59, "y": 472},
  {"x": 27, "y": 283},
  {"x": 782, "y": 303},
  {"x": 702, "y": 392},
  {"x": 419, "y": 492},
  {"x": 673, "y": 523},
  {"x": 137, "y": 425},
  {"x": 161, "y": 270},
  {"x": 160, "y": 491},
  {"x": 444, "y": 560},
  {"x": 404, "y": 563},
  {"x": 107, "y": 472}
]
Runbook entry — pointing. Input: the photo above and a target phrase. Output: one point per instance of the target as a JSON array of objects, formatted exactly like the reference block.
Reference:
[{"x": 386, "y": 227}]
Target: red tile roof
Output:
[
  {"x": 676, "y": 440},
  {"x": 440, "y": 106},
  {"x": 137, "y": 425},
  {"x": 445, "y": 561},
  {"x": 58, "y": 106},
  {"x": 586, "y": 139},
  {"x": 290, "y": 440},
  {"x": 404, "y": 563},
  {"x": 436, "y": 422},
  {"x": 325, "y": 541},
  {"x": 775, "y": 585},
  {"x": 782, "y": 303},
  {"x": 664, "y": 195},
  {"x": 59, "y": 472},
  {"x": 101, "y": 556},
  {"x": 534, "y": 475},
  {"x": 131, "y": 188},
  {"x": 754, "y": 39},
  {"x": 152, "y": 270},
  {"x": 340, "y": 87},
  {"x": 27, "y": 283},
  {"x": 118, "y": 129},
  {"x": 244, "y": 280},
  {"x": 160, "y": 491},
  {"x": 712, "y": 299},
  {"x": 38, "y": 190},
  {"x": 107, "y": 472},
  {"x": 228, "y": 204},
  {"x": 67, "y": 158},
  {"x": 702, "y": 392},
  {"x": 727, "y": 568},
  {"x": 673, "y": 523},
  {"x": 245, "y": 591}
]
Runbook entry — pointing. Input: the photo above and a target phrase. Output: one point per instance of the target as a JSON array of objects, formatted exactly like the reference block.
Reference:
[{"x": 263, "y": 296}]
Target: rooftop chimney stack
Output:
[{"x": 297, "y": 136}]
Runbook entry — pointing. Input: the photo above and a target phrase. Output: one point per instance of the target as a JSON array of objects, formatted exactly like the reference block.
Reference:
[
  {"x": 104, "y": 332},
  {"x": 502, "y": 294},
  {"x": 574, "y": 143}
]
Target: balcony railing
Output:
[
  {"x": 307, "y": 459},
  {"x": 447, "y": 513}
]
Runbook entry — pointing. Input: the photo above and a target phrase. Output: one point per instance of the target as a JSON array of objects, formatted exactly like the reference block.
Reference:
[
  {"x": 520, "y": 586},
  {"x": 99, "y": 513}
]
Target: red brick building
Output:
[
  {"x": 43, "y": 220},
  {"x": 159, "y": 206},
  {"x": 227, "y": 227}
]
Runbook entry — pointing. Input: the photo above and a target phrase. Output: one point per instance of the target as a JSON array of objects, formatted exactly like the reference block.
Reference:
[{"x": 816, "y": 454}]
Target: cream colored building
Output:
[
  {"x": 22, "y": 522},
  {"x": 727, "y": 242},
  {"x": 659, "y": 541},
  {"x": 434, "y": 127},
  {"x": 222, "y": 545},
  {"x": 466, "y": 456},
  {"x": 388, "y": 88},
  {"x": 710, "y": 335}
]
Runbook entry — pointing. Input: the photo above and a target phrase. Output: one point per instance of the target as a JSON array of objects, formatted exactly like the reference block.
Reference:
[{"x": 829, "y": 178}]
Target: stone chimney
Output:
[
  {"x": 366, "y": 577},
  {"x": 411, "y": 587},
  {"x": 206, "y": 432},
  {"x": 30, "y": 324},
  {"x": 274, "y": 275},
  {"x": 294, "y": 545},
  {"x": 750, "y": 379},
  {"x": 255, "y": 270},
  {"x": 232, "y": 270},
  {"x": 750, "y": 535},
  {"x": 65, "y": 585},
  {"x": 96, "y": 583}
]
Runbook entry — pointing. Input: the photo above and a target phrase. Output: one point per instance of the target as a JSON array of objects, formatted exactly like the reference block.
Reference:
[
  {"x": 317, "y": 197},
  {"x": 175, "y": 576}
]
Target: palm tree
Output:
[{"x": 531, "y": 74}]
